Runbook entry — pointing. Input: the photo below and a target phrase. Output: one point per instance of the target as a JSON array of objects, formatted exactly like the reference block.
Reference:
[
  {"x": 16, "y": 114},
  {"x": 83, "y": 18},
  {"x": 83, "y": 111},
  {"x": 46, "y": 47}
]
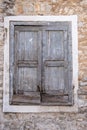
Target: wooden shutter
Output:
[
  {"x": 40, "y": 63},
  {"x": 26, "y": 68},
  {"x": 56, "y": 83}
]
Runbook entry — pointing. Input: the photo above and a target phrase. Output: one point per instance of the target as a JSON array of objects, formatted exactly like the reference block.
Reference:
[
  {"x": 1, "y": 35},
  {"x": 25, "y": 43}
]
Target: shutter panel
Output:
[
  {"x": 56, "y": 66},
  {"x": 27, "y": 49}
]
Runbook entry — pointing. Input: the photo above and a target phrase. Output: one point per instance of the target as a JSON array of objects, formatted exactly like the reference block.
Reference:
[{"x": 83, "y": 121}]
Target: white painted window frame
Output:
[{"x": 23, "y": 108}]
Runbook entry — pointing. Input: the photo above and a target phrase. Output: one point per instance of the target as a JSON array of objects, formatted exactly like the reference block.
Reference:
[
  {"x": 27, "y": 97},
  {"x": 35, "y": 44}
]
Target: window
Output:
[{"x": 40, "y": 64}]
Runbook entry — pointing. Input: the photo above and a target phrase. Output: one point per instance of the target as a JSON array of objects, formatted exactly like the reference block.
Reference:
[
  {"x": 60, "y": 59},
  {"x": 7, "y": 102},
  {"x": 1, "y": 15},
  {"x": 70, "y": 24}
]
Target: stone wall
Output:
[{"x": 48, "y": 121}]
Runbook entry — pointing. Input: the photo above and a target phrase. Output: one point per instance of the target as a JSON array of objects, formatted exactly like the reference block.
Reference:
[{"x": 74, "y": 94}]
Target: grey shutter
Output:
[
  {"x": 26, "y": 69},
  {"x": 57, "y": 83},
  {"x": 40, "y": 63}
]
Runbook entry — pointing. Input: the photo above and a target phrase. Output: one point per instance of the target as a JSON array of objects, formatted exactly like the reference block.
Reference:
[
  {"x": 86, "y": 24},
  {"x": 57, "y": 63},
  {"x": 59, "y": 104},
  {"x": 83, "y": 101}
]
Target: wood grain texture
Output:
[
  {"x": 31, "y": 98},
  {"x": 54, "y": 48},
  {"x": 42, "y": 61},
  {"x": 53, "y": 53},
  {"x": 27, "y": 47},
  {"x": 26, "y": 65},
  {"x": 55, "y": 63}
]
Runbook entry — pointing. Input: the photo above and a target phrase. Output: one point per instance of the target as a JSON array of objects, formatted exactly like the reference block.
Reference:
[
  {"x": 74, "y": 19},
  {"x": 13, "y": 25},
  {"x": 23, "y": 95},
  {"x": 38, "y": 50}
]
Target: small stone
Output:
[
  {"x": 37, "y": 7},
  {"x": 83, "y": 83},
  {"x": 20, "y": 9},
  {"x": 54, "y": 1},
  {"x": 43, "y": 7},
  {"x": 80, "y": 119},
  {"x": 85, "y": 79},
  {"x": 29, "y": 126}
]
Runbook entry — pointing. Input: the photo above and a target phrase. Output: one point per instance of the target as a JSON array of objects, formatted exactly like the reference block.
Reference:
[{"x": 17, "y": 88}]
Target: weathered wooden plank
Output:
[
  {"x": 27, "y": 46},
  {"x": 27, "y": 79},
  {"x": 28, "y": 63},
  {"x": 28, "y": 28},
  {"x": 23, "y": 99},
  {"x": 54, "y": 78},
  {"x": 43, "y": 59},
  {"x": 56, "y": 92},
  {"x": 16, "y": 41},
  {"x": 56, "y": 103},
  {"x": 53, "y": 63},
  {"x": 39, "y": 72},
  {"x": 54, "y": 48},
  {"x": 54, "y": 99},
  {"x": 28, "y": 93},
  {"x": 60, "y": 25}
]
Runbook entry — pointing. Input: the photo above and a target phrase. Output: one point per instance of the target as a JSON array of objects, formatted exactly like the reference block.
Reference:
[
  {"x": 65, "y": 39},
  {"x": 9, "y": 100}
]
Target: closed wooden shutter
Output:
[
  {"x": 57, "y": 75},
  {"x": 40, "y": 63},
  {"x": 26, "y": 74}
]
